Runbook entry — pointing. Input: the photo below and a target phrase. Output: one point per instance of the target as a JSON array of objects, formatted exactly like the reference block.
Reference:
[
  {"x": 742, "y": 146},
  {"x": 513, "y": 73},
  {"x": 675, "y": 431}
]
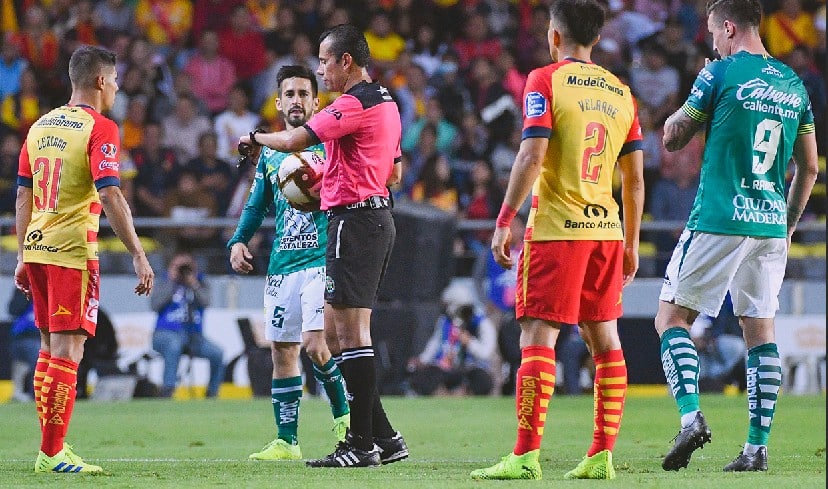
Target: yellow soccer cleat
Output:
[
  {"x": 64, "y": 462},
  {"x": 511, "y": 467},
  {"x": 598, "y": 466},
  {"x": 278, "y": 449},
  {"x": 341, "y": 425}
]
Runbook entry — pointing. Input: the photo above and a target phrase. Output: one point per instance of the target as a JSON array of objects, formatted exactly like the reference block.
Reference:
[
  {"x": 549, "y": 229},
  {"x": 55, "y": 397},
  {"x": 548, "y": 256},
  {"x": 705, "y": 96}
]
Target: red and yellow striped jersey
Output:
[
  {"x": 591, "y": 119},
  {"x": 69, "y": 154}
]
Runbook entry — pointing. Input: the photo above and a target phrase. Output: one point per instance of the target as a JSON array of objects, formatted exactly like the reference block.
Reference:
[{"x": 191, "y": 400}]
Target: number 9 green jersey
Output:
[{"x": 754, "y": 107}]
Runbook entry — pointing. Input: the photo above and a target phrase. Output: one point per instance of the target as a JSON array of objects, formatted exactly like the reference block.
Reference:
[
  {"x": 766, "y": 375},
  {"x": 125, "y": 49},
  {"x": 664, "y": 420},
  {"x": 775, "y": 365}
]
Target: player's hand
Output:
[
  {"x": 630, "y": 267},
  {"x": 145, "y": 275},
  {"x": 21, "y": 280},
  {"x": 240, "y": 257},
  {"x": 501, "y": 247}
]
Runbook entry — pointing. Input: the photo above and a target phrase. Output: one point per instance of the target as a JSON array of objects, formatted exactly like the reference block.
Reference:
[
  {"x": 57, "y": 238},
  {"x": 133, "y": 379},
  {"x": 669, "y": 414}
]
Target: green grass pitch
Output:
[{"x": 176, "y": 444}]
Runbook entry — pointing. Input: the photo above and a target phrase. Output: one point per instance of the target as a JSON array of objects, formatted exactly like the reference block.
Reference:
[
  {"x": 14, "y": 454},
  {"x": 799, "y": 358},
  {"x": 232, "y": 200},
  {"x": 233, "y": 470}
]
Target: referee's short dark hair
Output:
[
  {"x": 87, "y": 63},
  {"x": 579, "y": 20},
  {"x": 346, "y": 38},
  {"x": 297, "y": 71}
]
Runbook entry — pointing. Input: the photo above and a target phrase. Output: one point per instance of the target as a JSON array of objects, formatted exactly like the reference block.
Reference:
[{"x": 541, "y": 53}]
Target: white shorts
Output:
[
  {"x": 294, "y": 303},
  {"x": 704, "y": 267}
]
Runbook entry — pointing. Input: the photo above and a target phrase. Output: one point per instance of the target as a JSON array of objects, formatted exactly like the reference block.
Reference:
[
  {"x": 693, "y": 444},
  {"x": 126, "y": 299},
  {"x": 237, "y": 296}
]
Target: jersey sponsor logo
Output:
[
  {"x": 705, "y": 76},
  {"x": 384, "y": 92},
  {"x": 759, "y": 211},
  {"x": 599, "y": 82},
  {"x": 60, "y": 121},
  {"x": 109, "y": 150},
  {"x": 595, "y": 210},
  {"x": 108, "y": 165},
  {"x": 33, "y": 243},
  {"x": 51, "y": 142},
  {"x": 62, "y": 311},
  {"x": 770, "y": 70},
  {"x": 535, "y": 104},
  {"x": 760, "y": 90},
  {"x": 696, "y": 92},
  {"x": 300, "y": 232}
]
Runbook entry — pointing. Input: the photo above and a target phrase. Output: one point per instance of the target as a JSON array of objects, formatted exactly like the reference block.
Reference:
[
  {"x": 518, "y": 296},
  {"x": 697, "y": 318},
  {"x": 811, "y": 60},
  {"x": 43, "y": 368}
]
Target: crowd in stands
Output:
[{"x": 197, "y": 74}]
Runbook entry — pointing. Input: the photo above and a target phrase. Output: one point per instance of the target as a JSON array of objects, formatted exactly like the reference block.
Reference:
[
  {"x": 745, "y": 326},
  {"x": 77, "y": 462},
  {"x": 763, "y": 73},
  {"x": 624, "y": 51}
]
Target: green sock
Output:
[
  {"x": 764, "y": 376},
  {"x": 331, "y": 379},
  {"x": 681, "y": 368},
  {"x": 286, "y": 394}
]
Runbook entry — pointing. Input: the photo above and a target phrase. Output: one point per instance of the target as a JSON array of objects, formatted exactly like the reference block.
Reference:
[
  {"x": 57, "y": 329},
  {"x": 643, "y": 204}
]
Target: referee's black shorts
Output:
[{"x": 359, "y": 247}]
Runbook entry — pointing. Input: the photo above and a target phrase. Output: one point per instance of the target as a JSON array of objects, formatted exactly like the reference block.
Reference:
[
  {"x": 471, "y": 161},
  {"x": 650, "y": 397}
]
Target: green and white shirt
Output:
[
  {"x": 300, "y": 237},
  {"x": 754, "y": 107}
]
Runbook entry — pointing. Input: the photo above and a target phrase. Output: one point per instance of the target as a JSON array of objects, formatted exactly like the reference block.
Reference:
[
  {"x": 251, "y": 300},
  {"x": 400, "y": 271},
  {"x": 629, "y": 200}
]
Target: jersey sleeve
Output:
[
  {"x": 635, "y": 140},
  {"x": 24, "y": 168},
  {"x": 699, "y": 104},
  {"x": 340, "y": 118},
  {"x": 257, "y": 203},
  {"x": 537, "y": 105},
  {"x": 104, "y": 151},
  {"x": 806, "y": 122}
]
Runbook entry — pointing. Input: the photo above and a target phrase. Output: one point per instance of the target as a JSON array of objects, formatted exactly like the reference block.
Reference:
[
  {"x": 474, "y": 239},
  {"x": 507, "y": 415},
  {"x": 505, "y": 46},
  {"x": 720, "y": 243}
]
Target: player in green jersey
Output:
[
  {"x": 756, "y": 116},
  {"x": 294, "y": 288}
]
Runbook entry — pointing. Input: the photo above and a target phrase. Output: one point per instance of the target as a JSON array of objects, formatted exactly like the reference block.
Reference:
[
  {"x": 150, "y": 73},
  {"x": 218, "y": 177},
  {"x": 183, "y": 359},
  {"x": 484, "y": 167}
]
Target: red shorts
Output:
[
  {"x": 65, "y": 299},
  {"x": 570, "y": 281}
]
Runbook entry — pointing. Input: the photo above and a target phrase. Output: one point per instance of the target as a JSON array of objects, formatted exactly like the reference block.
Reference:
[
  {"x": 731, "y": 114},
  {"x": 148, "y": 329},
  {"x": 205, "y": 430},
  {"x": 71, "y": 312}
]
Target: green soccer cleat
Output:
[
  {"x": 278, "y": 449},
  {"x": 341, "y": 425},
  {"x": 512, "y": 467},
  {"x": 64, "y": 462},
  {"x": 598, "y": 466}
]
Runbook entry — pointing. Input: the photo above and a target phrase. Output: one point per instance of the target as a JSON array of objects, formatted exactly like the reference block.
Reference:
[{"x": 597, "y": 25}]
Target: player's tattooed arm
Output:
[
  {"x": 679, "y": 129},
  {"x": 807, "y": 167}
]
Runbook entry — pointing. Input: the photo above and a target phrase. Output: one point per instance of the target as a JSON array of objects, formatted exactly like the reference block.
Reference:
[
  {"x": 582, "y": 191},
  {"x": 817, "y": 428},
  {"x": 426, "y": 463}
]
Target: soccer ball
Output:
[{"x": 300, "y": 178}]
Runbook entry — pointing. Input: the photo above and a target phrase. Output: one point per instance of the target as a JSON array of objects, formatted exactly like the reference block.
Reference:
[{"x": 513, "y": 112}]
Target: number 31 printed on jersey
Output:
[{"x": 47, "y": 179}]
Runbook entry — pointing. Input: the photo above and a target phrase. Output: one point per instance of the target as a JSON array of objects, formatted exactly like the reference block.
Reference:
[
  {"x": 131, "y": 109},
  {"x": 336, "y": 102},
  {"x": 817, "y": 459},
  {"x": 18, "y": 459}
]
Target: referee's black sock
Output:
[
  {"x": 361, "y": 379},
  {"x": 382, "y": 427}
]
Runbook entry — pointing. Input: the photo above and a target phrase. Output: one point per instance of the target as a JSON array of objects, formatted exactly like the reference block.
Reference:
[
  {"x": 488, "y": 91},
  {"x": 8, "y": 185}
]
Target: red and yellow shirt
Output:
[
  {"x": 590, "y": 119},
  {"x": 69, "y": 154}
]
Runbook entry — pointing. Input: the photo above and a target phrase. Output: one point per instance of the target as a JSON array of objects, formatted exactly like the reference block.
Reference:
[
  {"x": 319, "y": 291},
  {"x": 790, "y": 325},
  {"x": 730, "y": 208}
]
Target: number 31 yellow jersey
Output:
[{"x": 68, "y": 155}]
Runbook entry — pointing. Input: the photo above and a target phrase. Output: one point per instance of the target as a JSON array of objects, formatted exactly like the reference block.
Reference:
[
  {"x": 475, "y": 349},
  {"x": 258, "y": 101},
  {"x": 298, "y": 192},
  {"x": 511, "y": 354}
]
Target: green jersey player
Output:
[
  {"x": 756, "y": 115},
  {"x": 294, "y": 288}
]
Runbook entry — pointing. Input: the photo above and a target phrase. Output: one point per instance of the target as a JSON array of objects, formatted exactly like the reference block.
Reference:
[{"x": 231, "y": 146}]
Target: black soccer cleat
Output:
[
  {"x": 392, "y": 449},
  {"x": 686, "y": 442},
  {"x": 758, "y": 462},
  {"x": 347, "y": 455}
]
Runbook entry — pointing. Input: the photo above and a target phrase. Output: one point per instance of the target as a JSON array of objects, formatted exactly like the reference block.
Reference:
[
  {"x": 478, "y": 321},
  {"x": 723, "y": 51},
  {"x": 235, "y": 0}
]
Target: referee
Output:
[{"x": 361, "y": 132}]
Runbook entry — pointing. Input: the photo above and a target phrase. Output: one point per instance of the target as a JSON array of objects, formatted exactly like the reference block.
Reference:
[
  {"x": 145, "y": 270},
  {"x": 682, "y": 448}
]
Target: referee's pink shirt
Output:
[{"x": 361, "y": 130}]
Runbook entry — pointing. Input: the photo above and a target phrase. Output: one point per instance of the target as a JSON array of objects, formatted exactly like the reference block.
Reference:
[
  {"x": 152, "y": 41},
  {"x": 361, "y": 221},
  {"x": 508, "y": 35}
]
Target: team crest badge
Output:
[{"x": 330, "y": 287}]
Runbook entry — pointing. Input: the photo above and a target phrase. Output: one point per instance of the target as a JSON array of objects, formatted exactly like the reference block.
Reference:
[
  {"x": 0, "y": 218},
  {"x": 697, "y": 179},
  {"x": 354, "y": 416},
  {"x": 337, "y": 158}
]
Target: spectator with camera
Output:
[
  {"x": 180, "y": 298},
  {"x": 459, "y": 352}
]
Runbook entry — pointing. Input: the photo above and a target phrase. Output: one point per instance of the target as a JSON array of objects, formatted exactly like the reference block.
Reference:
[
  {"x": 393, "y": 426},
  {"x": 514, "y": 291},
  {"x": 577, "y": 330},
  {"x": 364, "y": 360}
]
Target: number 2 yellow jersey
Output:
[
  {"x": 590, "y": 119},
  {"x": 69, "y": 154}
]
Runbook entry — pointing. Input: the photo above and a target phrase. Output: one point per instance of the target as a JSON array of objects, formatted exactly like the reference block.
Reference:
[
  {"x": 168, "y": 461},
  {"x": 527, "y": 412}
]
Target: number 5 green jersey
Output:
[
  {"x": 300, "y": 237},
  {"x": 754, "y": 107}
]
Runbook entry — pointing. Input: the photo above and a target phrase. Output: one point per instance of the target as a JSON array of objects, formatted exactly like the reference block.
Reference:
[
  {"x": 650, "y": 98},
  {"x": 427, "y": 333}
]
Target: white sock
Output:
[
  {"x": 751, "y": 449},
  {"x": 687, "y": 419}
]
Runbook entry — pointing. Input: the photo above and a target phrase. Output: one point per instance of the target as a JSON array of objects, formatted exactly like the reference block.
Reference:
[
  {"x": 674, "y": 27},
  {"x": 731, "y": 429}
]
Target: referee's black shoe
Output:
[
  {"x": 347, "y": 455},
  {"x": 688, "y": 440},
  {"x": 392, "y": 449}
]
